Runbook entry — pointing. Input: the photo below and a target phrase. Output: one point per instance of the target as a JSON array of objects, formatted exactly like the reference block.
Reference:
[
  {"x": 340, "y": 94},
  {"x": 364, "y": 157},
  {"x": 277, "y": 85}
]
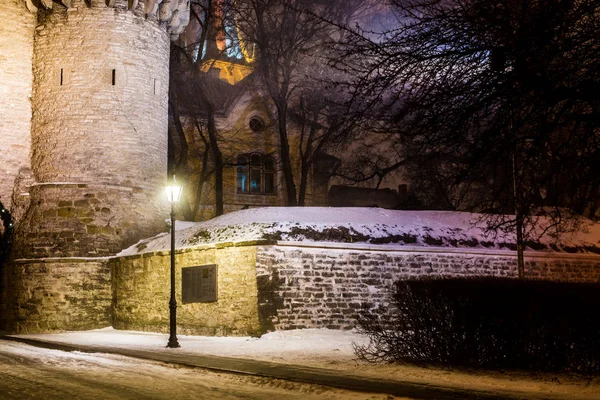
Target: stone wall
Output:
[
  {"x": 56, "y": 295},
  {"x": 309, "y": 287},
  {"x": 16, "y": 51},
  {"x": 141, "y": 292},
  {"x": 261, "y": 286},
  {"x": 286, "y": 286},
  {"x": 70, "y": 220},
  {"x": 95, "y": 74},
  {"x": 100, "y": 95}
]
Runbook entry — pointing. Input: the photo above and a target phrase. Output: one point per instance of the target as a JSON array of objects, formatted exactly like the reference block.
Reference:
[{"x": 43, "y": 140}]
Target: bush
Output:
[
  {"x": 6, "y": 233},
  {"x": 487, "y": 323}
]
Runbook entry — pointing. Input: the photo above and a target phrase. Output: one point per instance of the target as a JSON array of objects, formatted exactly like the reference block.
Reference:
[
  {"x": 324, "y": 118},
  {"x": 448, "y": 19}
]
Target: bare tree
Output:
[
  {"x": 501, "y": 94},
  {"x": 496, "y": 101},
  {"x": 285, "y": 38},
  {"x": 195, "y": 92}
]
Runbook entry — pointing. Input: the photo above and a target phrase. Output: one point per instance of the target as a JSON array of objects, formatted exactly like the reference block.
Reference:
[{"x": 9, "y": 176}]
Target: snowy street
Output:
[
  {"x": 117, "y": 364},
  {"x": 35, "y": 373}
]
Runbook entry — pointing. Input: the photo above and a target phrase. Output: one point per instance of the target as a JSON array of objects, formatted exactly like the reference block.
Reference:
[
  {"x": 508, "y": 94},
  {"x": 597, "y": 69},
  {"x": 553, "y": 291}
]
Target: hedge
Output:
[{"x": 491, "y": 323}]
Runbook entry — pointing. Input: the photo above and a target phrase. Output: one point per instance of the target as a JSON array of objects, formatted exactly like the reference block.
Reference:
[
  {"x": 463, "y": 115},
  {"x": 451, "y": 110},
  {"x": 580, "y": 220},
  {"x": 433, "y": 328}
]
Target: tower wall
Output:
[
  {"x": 99, "y": 131},
  {"x": 16, "y": 51}
]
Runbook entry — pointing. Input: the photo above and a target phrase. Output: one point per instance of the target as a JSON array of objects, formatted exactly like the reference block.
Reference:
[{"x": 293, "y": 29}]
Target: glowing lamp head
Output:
[{"x": 173, "y": 191}]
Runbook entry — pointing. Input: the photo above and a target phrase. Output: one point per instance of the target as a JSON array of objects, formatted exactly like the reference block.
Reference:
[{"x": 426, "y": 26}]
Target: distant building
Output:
[{"x": 249, "y": 139}]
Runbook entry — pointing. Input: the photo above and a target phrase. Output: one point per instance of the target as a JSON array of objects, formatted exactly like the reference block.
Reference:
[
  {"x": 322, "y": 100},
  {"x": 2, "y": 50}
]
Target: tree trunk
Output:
[
  {"x": 218, "y": 156},
  {"x": 284, "y": 153},
  {"x": 179, "y": 164},
  {"x": 303, "y": 183},
  {"x": 520, "y": 258},
  {"x": 307, "y": 157},
  {"x": 204, "y": 175}
]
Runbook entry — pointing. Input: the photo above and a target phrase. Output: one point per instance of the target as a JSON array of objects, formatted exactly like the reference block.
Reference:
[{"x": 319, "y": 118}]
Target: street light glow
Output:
[{"x": 173, "y": 192}]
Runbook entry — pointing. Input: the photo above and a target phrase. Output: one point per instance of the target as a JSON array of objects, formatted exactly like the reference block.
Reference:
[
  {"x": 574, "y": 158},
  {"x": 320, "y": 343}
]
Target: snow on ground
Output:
[
  {"x": 373, "y": 226},
  {"x": 335, "y": 345},
  {"x": 332, "y": 349},
  {"x": 37, "y": 373}
]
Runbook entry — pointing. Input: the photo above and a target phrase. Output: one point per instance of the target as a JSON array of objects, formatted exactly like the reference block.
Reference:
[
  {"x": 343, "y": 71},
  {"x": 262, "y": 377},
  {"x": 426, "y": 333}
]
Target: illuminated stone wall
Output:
[
  {"x": 16, "y": 52},
  {"x": 261, "y": 286},
  {"x": 56, "y": 295},
  {"x": 268, "y": 287},
  {"x": 85, "y": 220},
  {"x": 94, "y": 169},
  {"x": 141, "y": 292}
]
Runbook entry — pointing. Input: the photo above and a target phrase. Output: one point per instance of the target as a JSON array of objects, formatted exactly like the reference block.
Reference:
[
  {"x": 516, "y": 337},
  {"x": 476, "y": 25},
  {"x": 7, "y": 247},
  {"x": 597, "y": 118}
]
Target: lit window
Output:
[
  {"x": 255, "y": 174},
  {"x": 242, "y": 174}
]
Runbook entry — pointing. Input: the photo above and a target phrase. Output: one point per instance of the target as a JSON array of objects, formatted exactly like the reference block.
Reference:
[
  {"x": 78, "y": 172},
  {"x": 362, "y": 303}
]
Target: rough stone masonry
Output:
[
  {"x": 270, "y": 286},
  {"x": 322, "y": 285}
]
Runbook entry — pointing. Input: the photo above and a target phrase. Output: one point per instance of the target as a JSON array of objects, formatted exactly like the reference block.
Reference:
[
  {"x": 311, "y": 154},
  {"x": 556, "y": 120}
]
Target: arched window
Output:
[{"x": 255, "y": 174}]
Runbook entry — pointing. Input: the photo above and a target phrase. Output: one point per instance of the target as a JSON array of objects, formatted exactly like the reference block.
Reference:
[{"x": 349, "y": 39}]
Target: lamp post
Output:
[{"x": 173, "y": 195}]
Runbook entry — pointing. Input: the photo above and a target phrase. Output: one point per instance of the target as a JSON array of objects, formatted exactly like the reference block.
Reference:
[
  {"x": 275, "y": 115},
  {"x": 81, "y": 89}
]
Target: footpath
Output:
[{"x": 150, "y": 347}]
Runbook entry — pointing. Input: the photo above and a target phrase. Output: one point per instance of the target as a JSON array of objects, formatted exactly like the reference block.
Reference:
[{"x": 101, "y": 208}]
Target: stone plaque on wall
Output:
[{"x": 199, "y": 284}]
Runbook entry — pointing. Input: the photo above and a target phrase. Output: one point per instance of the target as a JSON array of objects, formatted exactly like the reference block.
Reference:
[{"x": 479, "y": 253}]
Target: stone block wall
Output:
[
  {"x": 141, "y": 292},
  {"x": 95, "y": 74},
  {"x": 70, "y": 220},
  {"x": 100, "y": 97},
  {"x": 310, "y": 287},
  {"x": 261, "y": 286},
  {"x": 268, "y": 287},
  {"x": 56, "y": 295},
  {"x": 16, "y": 79}
]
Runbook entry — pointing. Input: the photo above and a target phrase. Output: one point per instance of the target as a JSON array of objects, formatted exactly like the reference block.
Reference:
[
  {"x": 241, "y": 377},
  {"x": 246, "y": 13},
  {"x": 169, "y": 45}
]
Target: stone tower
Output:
[
  {"x": 98, "y": 136},
  {"x": 94, "y": 135}
]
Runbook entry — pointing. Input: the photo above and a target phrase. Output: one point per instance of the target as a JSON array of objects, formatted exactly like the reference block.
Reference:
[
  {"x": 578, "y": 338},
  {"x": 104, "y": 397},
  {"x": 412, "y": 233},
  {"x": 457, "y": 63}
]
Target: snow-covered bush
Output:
[{"x": 487, "y": 323}]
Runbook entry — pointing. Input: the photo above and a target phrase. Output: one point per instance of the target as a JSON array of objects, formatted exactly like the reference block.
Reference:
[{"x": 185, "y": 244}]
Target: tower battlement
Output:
[{"x": 173, "y": 14}]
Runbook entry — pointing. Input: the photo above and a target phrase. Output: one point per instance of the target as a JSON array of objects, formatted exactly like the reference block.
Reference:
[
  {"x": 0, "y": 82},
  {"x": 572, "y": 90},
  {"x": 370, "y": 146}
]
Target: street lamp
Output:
[{"x": 173, "y": 195}]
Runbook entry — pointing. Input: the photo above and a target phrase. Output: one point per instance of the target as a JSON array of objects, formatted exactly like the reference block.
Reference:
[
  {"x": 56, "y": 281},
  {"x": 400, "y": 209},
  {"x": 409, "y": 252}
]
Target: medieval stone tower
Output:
[{"x": 84, "y": 91}]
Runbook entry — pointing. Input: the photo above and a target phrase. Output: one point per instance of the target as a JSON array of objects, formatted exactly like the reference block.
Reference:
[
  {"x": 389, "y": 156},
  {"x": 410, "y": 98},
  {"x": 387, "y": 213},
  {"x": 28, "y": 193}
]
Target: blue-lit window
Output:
[
  {"x": 242, "y": 174},
  {"x": 255, "y": 174},
  {"x": 232, "y": 42}
]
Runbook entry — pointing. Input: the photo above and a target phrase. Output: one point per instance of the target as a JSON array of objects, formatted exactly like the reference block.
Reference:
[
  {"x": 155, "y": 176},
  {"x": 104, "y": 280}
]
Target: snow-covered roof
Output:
[{"x": 373, "y": 226}]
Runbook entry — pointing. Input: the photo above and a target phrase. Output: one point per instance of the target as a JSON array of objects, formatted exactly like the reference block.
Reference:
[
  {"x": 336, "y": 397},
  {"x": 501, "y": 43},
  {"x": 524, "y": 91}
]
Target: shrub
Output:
[
  {"x": 6, "y": 233},
  {"x": 487, "y": 323}
]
